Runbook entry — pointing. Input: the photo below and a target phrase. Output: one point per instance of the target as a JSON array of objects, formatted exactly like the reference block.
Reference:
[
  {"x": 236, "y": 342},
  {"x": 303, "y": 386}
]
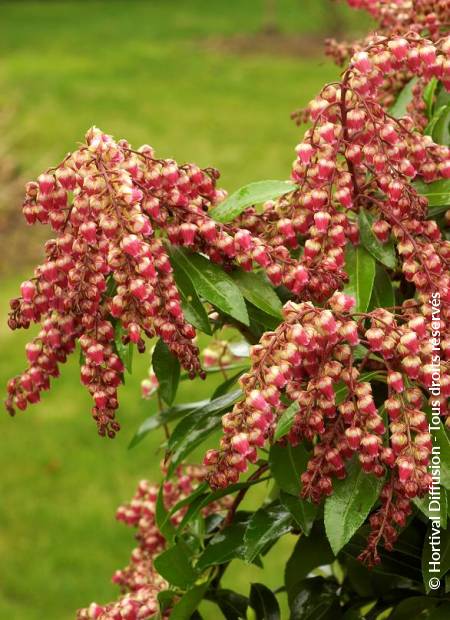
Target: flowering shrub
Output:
[{"x": 325, "y": 304}]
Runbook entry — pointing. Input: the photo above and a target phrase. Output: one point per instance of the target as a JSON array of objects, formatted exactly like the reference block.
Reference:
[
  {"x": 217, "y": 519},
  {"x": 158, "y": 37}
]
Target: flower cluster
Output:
[
  {"x": 108, "y": 272},
  {"x": 426, "y": 17},
  {"x": 139, "y": 581},
  {"x": 356, "y": 156},
  {"x": 311, "y": 360}
]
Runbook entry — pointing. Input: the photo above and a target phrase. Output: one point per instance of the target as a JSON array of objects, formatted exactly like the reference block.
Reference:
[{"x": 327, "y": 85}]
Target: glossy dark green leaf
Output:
[
  {"x": 224, "y": 546},
  {"x": 440, "y": 612},
  {"x": 206, "y": 498},
  {"x": 251, "y": 194},
  {"x": 360, "y": 266},
  {"x": 383, "y": 294},
  {"x": 303, "y": 512},
  {"x": 429, "y": 96},
  {"x": 286, "y": 421},
  {"x": 308, "y": 553},
  {"x": 124, "y": 351},
  {"x": 167, "y": 371},
  {"x": 316, "y": 599},
  {"x": 193, "y": 308},
  {"x": 437, "y": 193},
  {"x": 432, "y": 507},
  {"x": 411, "y": 607},
  {"x": 188, "y": 603},
  {"x": 231, "y": 604},
  {"x": 438, "y": 541},
  {"x": 165, "y": 417},
  {"x": 257, "y": 290},
  {"x": 287, "y": 463},
  {"x": 175, "y": 566},
  {"x": 347, "y": 508},
  {"x": 404, "y": 98},
  {"x": 195, "y": 427},
  {"x": 385, "y": 252},
  {"x": 264, "y": 602},
  {"x": 266, "y": 525},
  {"x": 162, "y": 518},
  {"x": 212, "y": 283},
  {"x": 441, "y": 440}
]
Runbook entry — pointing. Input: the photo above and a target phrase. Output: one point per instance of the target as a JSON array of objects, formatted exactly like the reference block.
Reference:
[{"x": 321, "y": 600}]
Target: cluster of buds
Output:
[
  {"x": 425, "y": 17},
  {"x": 301, "y": 361},
  {"x": 108, "y": 270},
  {"x": 310, "y": 360},
  {"x": 356, "y": 156},
  {"x": 139, "y": 582}
]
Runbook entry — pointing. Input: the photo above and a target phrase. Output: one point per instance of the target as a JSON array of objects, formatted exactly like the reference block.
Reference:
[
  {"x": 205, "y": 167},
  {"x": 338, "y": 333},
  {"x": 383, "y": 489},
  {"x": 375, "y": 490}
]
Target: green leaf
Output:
[
  {"x": 165, "y": 417},
  {"x": 195, "y": 427},
  {"x": 212, "y": 283},
  {"x": 287, "y": 463},
  {"x": 441, "y": 440},
  {"x": 404, "y": 98},
  {"x": 316, "y": 599},
  {"x": 360, "y": 266},
  {"x": 167, "y": 371},
  {"x": 383, "y": 294},
  {"x": 189, "y": 602},
  {"x": 162, "y": 517},
  {"x": 433, "y": 507},
  {"x": 224, "y": 546},
  {"x": 286, "y": 421},
  {"x": 308, "y": 553},
  {"x": 304, "y": 512},
  {"x": 441, "y": 129},
  {"x": 437, "y": 193},
  {"x": 257, "y": 290},
  {"x": 429, "y": 95},
  {"x": 264, "y": 602},
  {"x": 440, "y": 539},
  {"x": 251, "y": 194},
  {"x": 347, "y": 508},
  {"x": 174, "y": 565},
  {"x": 193, "y": 308},
  {"x": 385, "y": 252},
  {"x": 231, "y": 604},
  {"x": 124, "y": 351},
  {"x": 266, "y": 525},
  {"x": 411, "y": 607},
  {"x": 441, "y": 612}
]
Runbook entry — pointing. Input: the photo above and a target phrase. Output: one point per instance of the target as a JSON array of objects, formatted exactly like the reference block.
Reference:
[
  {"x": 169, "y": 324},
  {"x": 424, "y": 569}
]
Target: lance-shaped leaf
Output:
[
  {"x": 437, "y": 193},
  {"x": 212, "y": 283},
  {"x": 286, "y": 421},
  {"x": 383, "y": 294},
  {"x": 175, "y": 566},
  {"x": 257, "y": 290},
  {"x": 266, "y": 525},
  {"x": 347, "y": 508},
  {"x": 360, "y": 266},
  {"x": 189, "y": 602},
  {"x": 304, "y": 512},
  {"x": 167, "y": 371},
  {"x": 196, "y": 426},
  {"x": 383, "y": 252},
  {"x": 224, "y": 546},
  {"x": 400, "y": 107},
  {"x": 264, "y": 603},
  {"x": 193, "y": 308},
  {"x": 251, "y": 194},
  {"x": 124, "y": 351}
]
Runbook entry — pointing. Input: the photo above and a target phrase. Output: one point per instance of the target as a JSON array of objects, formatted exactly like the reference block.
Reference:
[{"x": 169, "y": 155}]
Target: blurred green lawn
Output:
[{"x": 139, "y": 70}]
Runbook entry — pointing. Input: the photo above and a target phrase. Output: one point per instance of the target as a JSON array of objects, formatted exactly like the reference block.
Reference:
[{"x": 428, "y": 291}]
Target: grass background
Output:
[{"x": 151, "y": 71}]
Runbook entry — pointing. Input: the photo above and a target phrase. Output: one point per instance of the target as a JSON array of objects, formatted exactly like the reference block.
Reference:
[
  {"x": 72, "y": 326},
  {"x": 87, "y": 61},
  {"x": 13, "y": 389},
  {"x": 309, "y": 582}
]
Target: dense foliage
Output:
[{"x": 323, "y": 301}]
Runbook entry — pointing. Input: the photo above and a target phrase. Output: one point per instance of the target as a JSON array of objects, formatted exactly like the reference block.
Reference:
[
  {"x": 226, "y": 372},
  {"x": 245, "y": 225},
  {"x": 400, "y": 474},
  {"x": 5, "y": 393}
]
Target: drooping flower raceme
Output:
[{"x": 139, "y": 582}]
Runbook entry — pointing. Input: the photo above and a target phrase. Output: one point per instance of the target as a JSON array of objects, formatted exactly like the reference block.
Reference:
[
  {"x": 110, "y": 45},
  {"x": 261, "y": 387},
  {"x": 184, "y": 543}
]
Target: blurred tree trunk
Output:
[{"x": 270, "y": 22}]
